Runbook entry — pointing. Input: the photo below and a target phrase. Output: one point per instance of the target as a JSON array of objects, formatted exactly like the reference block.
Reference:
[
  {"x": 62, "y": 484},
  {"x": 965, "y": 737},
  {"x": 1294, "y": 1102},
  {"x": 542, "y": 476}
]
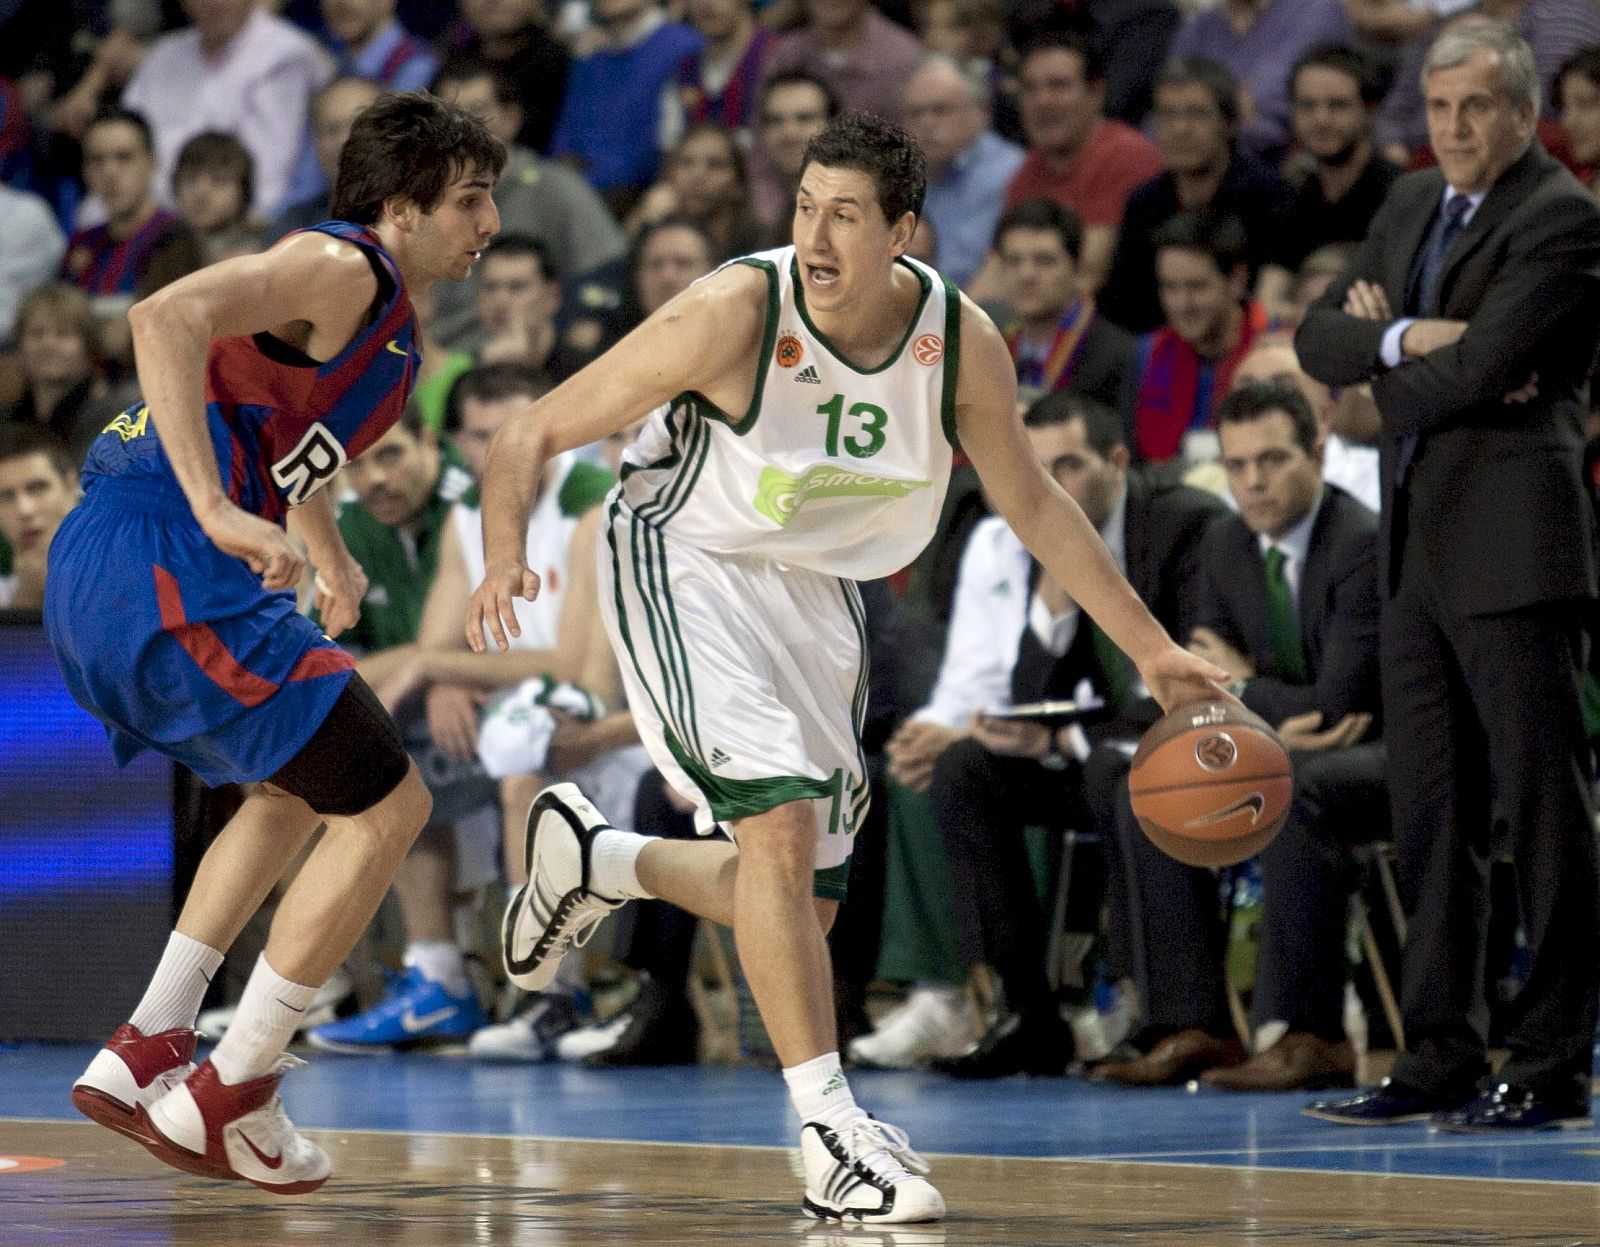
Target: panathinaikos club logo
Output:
[{"x": 780, "y": 496}]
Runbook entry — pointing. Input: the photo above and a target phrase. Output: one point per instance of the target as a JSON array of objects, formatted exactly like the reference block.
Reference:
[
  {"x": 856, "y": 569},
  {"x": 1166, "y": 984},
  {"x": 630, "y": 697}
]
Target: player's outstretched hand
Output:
[
  {"x": 341, "y": 586},
  {"x": 492, "y": 605},
  {"x": 1175, "y": 677},
  {"x": 264, "y": 547}
]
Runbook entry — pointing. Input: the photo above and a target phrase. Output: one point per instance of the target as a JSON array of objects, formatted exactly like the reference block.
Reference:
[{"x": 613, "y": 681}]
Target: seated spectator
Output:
[
  {"x": 1058, "y": 340},
  {"x": 1007, "y": 774},
  {"x": 334, "y": 110},
  {"x": 517, "y": 297},
  {"x": 368, "y": 42},
  {"x": 1314, "y": 275},
  {"x": 972, "y": 33},
  {"x": 862, "y": 56},
  {"x": 440, "y": 365},
  {"x": 720, "y": 82},
  {"x": 31, "y": 247},
  {"x": 612, "y": 116},
  {"x": 947, "y": 110},
  {"x": 1131, "y": 38},
  {"x": 510, "y": 36},
  {"x": 1185, "y": 367},
  {"x": 1577, "y": 101},
  {"x": 704, "y": 180},
  {"x": 1348, "y": 462},
  {"x": 237, "y": 68},
  {"x": 1290, "y": 607},
  {"x": 541, "y": 199},
  {"x": 38, "y": 486},
  {"x": 791, "y": 110},
  {"x": 1259, "y": 42},
  {"x": 211, "y": 185},
  {"x": 665, "y": 258},
  {"x": 1342, "y": 178},
  {"x": 58, "y": 342},
  {"x": 1077, "y": 156},
  {"x": 1197, "y": 120}
]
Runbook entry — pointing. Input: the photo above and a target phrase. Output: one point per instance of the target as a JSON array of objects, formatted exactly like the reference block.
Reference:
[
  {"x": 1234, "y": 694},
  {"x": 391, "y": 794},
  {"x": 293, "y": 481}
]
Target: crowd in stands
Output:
[{"x": 1145, "y": 194}]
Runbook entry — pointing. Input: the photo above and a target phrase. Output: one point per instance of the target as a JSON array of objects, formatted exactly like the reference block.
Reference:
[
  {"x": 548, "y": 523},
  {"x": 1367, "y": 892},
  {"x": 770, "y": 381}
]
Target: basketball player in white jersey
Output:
[{"x": 804, "y": 402}]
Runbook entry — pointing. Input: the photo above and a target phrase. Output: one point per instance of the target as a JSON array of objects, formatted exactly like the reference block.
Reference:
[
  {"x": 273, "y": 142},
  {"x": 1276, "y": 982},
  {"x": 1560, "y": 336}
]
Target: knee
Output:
[{"x": 779, "y": 847}]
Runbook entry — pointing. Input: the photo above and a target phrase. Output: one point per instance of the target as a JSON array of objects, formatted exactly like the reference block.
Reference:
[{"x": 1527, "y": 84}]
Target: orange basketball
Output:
[{"x": 1211, "y": 784}]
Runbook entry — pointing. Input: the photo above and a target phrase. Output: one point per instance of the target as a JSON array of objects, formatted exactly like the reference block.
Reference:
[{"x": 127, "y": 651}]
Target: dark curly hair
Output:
[
  {"x": 412, "y": 146},
  {"x": 881, "y": 150}
]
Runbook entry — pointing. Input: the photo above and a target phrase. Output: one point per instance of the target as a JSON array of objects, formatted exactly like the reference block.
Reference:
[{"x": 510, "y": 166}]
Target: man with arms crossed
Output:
[{"x": 805, "y": 403}]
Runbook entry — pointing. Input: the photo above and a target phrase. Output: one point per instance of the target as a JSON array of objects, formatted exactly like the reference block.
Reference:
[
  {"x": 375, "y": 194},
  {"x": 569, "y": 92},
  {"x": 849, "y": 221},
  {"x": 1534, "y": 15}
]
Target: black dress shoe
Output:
[
  {"x": 1505, "y": 1108},
  {"x": 1016, "y": 1044},
  {"x": 1390, "y": 1103},
  {"x": 661, "y": 1031}
]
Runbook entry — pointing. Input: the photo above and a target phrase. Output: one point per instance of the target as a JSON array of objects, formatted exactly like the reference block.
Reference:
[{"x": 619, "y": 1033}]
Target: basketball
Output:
[{"x": 1211, "y": 784}]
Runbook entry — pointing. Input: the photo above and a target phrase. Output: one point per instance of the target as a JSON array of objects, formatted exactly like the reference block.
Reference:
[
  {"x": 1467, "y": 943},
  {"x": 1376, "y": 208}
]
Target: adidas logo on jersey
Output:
[
  {"x": 718, "y": 758},
  {"x": 808, "y": 374}
]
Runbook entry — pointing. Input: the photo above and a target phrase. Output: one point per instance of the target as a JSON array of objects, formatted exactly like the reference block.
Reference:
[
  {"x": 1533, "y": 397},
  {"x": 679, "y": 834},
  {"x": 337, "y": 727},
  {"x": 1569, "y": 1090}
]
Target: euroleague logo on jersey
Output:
[
  {"x": 929, "y": 349},
  {"x": 790, "y": 351}
]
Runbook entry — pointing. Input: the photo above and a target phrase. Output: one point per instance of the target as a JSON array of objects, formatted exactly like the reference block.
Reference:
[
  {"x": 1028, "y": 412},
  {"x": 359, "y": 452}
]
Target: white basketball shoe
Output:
[
  {"x": 865, "y": 1171},
  {"x": 131, "y": 1073},
  {"x": 933, "y": 1023},
  {"x": 237, "y": 1131},
  {"x": 554, "y": 910}
]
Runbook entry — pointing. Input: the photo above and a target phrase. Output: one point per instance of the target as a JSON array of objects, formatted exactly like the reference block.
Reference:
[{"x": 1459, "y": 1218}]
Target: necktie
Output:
[
  {"x": 1283, "y": 626},
  {"x": 1114, "y": 667},
  {"x": 1445, "y": 228}
]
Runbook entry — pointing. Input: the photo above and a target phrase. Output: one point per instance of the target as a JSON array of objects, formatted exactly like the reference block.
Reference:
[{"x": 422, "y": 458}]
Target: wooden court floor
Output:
[{"x": 86, "y": 1185}]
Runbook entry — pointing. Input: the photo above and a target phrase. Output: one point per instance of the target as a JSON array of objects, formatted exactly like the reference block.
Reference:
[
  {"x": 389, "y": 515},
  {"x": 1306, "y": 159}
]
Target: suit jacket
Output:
[
  {"x": 1494, "y": 489},
  {"x": 1165, "y": 523},
  {"x": 1338, "y": 611}
]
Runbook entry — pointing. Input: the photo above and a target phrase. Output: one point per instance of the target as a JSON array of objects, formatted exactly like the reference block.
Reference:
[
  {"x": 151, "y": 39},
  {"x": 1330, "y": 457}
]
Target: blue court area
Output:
[{"x": 1062, "y": 1119}]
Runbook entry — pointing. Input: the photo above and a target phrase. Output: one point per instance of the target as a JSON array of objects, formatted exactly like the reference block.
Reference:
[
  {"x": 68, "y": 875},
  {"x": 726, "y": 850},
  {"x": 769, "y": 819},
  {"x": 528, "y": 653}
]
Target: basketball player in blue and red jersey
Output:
[{"x": 169, "y": 603}]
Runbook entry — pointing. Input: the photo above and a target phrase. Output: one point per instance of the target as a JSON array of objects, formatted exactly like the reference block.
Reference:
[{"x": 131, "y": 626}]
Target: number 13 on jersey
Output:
[{"x": 867, "y": 440}]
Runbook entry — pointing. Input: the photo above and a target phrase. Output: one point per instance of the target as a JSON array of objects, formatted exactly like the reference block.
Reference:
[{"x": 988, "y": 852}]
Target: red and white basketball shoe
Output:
[
  {"x": 130, "y": 1073},
  {"x": 240, "y": 1131}
]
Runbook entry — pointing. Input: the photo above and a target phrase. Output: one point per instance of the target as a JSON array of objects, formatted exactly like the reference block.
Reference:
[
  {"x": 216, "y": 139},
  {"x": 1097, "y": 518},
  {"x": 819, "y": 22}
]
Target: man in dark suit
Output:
[
  {"x": 1010, "y": 774},
  {"x": 1493, "y": 261},
  {"x": 1289, "y": 605}
]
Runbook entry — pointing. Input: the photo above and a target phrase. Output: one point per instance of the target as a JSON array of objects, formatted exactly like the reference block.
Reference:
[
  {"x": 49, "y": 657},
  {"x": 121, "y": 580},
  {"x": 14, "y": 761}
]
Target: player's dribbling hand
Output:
[
  {"x": 1175, "y": 677},
  {"x": 341, "y": 586},
  {"x": 493, "y": 605},
  {"x": 265, "y": 548}
]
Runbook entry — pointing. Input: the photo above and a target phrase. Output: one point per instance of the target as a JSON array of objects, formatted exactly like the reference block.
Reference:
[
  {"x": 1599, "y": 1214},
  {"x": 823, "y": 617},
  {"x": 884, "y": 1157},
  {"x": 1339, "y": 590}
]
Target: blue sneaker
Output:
[{"x": 414, "y": 1011}]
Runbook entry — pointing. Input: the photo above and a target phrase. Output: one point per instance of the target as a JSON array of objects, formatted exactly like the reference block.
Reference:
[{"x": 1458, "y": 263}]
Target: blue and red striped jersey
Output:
[{"x": 282, "y": 423}]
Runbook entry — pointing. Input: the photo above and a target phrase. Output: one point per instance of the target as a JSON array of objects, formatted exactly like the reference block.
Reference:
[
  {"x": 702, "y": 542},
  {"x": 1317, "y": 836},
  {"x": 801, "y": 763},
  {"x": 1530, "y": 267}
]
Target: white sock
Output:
[
  {"x": 172, "y": 1001},
  {"x": 270, "y": 1012},
  {"x": 614, "y": 863},
  {"x": 820, "y": 1092},
  {"x": 441, "y": 962}
]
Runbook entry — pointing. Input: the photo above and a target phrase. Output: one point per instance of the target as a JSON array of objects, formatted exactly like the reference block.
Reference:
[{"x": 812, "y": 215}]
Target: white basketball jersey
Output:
[
  {"x": 549, "y": 552},
  {"x": 833, "y": 467}
]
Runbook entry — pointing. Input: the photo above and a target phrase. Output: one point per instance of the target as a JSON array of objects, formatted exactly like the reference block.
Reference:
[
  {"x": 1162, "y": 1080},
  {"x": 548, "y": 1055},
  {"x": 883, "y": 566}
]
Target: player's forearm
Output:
[
  {"x": 510, "y": 487},
  {"x": 317, "y": 526},
  {"x": 170, "y": 339}
]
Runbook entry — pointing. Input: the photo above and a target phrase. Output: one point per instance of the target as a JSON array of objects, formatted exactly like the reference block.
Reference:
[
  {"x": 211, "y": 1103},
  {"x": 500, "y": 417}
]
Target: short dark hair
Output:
[
  {"x": 220, "y": 152},
  {"x": 1047, "y": 40},
  {"x": 461, "y": 68},
  {"x": 1044, "y": 214},
  {"x": 797, "y": 78},
  {"x": 114, "y": 114},
  {"x": 490, "y": 383},
  {"x": 410, "y": 146},
  {"x": 1343, "y": 59},
  {"x": 881, "y": 150},
  {"x": 1219, "y": 235},
  {"x": 21, "y": 438},
  {"x": 1214, "y": 76},
  {"x": 1585, "y": 62},
  {"x": 1102, "y": 427},
  {"x": 510, "y": 246},
  {"x": 1257, "y": 399}
]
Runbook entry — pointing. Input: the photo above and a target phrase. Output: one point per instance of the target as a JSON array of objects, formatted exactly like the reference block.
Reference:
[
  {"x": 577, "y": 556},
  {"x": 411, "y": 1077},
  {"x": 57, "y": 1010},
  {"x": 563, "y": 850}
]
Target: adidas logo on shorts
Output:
[
  {"x": 808, "y": 375},
  {"x": 718, "y": 758}
]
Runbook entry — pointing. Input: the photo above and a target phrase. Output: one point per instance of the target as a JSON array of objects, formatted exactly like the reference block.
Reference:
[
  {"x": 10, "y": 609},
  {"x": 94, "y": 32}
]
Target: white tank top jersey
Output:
[
  {"x": 550, "y": 529},
  {"x": 834, "y": 468}
]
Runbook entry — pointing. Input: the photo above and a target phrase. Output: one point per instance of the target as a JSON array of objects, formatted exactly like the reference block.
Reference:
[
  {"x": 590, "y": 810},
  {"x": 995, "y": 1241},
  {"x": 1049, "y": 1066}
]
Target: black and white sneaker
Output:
[
  {"x": 554, "y": 910},
  {"x": 865, "y": 1171}
]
